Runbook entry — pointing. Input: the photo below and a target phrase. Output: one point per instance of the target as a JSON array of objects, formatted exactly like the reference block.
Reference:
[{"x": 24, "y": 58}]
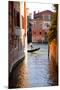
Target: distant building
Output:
[
  {"x": 40, "y": 26},
  {"x": 16, "y": 46}
]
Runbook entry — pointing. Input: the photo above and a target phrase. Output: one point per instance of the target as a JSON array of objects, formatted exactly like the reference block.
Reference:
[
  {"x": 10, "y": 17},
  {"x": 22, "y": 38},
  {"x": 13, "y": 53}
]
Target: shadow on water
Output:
[{"x": 18, "y": 77}]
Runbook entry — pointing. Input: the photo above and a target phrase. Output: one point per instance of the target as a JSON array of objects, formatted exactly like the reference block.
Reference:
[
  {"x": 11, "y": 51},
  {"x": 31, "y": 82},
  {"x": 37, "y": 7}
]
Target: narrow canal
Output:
[{"x": 33, "y": 72}]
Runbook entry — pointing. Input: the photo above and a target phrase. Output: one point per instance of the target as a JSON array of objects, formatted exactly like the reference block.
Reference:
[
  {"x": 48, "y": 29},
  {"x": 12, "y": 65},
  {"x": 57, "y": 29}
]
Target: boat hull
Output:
[{"x": 32, "y": 50}]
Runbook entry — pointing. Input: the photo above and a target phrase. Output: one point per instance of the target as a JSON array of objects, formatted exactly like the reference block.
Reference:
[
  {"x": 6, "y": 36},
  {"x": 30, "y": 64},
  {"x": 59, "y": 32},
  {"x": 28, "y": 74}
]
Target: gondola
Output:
[{"x": 32, "y": 50}]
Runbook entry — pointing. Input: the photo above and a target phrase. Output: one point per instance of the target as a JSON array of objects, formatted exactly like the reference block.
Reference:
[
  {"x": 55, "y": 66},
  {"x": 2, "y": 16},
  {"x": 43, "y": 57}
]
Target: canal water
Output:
[{"x": 33, "y": 72}]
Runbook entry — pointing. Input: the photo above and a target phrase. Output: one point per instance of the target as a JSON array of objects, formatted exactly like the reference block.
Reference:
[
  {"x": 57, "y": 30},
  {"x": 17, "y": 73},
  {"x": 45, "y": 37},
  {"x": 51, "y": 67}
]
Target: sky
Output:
[
  {"x": 35, "y": 6},
  {"x": 39, "y": 7}
]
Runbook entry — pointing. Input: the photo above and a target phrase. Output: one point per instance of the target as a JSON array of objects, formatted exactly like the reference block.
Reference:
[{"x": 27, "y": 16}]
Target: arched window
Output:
[
  {"x": 34, "y": 32},
  {"x": 40, "y": 33}
]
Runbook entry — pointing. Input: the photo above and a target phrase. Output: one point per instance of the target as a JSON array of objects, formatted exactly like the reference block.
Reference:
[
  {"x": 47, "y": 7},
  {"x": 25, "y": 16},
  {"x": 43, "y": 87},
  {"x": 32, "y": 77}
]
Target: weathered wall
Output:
[
  {"x": 16, "y": 49},
  {"x": 53, "y": 59},
  {"x": 53, "y": 52}
]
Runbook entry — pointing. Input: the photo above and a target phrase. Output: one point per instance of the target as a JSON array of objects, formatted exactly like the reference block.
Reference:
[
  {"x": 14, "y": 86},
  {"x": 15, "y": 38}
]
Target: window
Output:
[
  {"x": 34, "y": 32},
  {"x": 47, "y": 25},
  {"x": 45, "y": 33},
  {"x": 16, "y": 18},
  {"x": 40, "y": 16},
  {"x": 40, "y": 26},
  {"x": 34, "y": 24},
  {"x": 49, "y": 17},
  {"x": 40, "y": 33},
  {"x": 46, "y": 17}
]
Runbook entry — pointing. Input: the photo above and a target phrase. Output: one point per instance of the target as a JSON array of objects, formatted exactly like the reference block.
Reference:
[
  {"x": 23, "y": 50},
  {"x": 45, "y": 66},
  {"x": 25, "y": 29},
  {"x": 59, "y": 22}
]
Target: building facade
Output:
[
  {"x": 16, "y": 44},
  {"x": 40, "y": 26}
]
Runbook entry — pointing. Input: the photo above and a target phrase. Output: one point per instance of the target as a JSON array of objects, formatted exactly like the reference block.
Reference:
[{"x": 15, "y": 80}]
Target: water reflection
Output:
[
  {"x": 36, "y": 72},
  {"x": 38, "y": 67}
]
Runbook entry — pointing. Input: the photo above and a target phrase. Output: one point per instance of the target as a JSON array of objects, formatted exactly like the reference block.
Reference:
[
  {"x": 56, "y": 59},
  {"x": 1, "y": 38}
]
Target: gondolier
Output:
[{"x": 31, "y": 45}]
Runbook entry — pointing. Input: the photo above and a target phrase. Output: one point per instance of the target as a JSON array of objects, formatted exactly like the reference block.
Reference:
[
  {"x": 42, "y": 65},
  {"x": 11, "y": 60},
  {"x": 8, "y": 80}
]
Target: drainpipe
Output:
[
  {"x": 25, "y": 30},
  {"x": 25, "y": 23},
  {"x": 25, "y": 17},
  {"x": 20, "y": 17},
  {"x": 21, "y": 23}
]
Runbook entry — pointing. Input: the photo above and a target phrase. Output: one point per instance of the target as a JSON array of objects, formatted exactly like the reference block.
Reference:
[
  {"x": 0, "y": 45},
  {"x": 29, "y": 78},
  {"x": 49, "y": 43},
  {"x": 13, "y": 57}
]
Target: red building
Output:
[{"x": 40, "y": 26}]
